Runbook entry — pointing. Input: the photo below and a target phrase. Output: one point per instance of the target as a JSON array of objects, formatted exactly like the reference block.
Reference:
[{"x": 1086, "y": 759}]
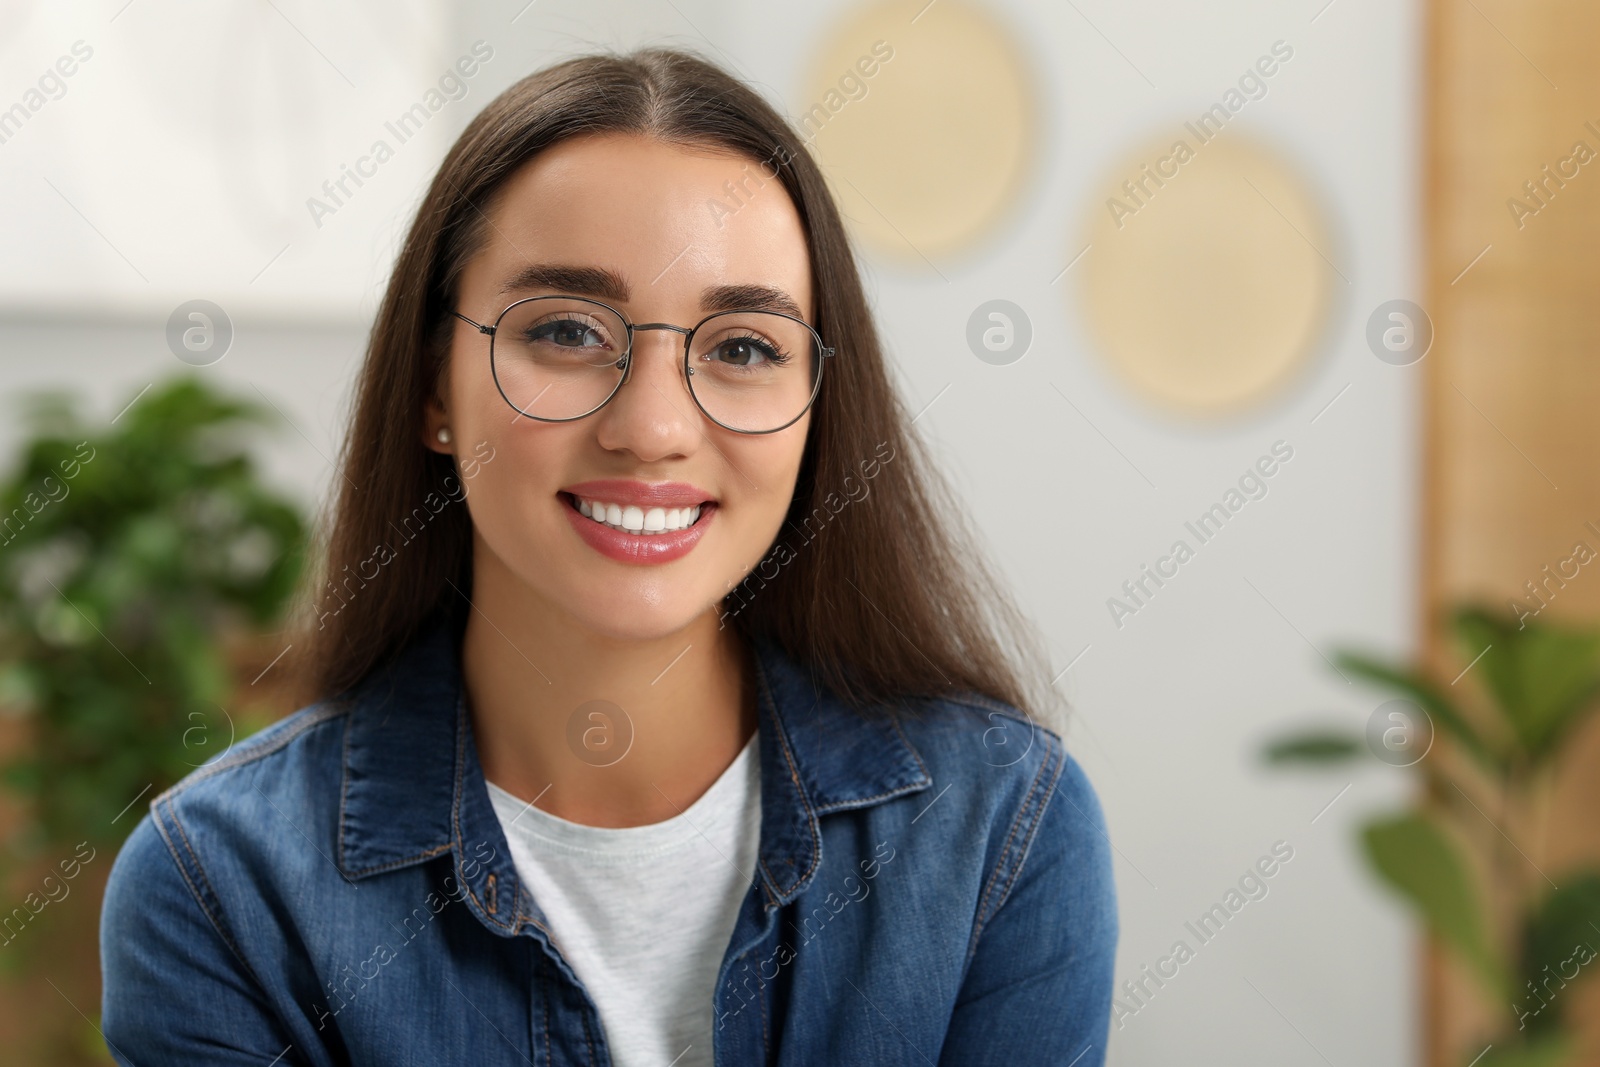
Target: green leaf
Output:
[
  {"x": 1415, "y": 857},
  {"x": 1320, "y": 747},
  {"x": 1544, "y": 678},
  {"x": 1416, "y": 686},
  {"x": 1560, "y": 943},
  {"x": 146, "y": 542}
]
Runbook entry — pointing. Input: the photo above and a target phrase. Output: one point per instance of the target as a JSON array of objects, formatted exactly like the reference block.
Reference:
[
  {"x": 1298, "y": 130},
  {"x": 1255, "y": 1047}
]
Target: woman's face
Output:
[{"x": 651, "y": 230}]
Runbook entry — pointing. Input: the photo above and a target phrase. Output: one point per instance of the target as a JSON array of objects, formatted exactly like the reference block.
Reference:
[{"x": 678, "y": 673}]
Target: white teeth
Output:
[{"x": 639, "y": 520}]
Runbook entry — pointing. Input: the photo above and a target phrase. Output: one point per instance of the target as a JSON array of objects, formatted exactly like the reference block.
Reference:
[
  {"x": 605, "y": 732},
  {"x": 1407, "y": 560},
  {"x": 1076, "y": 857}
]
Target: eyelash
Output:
[{"x": 779, "y": 356}]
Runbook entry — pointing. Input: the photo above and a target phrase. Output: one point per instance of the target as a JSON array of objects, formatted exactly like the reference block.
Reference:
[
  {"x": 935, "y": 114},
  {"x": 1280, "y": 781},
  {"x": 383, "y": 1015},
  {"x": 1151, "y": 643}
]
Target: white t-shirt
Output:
[{"x": 644, "y": 914}]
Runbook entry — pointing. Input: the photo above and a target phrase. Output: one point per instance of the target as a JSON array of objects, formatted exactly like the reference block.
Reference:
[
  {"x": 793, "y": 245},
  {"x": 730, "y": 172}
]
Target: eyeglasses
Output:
[{"x": 560, "y": 358}]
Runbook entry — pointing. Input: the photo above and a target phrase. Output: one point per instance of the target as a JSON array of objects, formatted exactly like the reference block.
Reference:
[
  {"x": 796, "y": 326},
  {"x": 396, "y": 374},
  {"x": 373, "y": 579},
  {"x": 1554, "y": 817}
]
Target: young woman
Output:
[{"x": 663, "y": 715}]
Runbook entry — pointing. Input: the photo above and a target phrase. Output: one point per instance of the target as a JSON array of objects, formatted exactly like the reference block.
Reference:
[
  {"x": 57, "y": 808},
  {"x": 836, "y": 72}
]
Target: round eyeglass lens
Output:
[
  {"x": 754, "y": 371},
  {"x": 558, "y": 357}
]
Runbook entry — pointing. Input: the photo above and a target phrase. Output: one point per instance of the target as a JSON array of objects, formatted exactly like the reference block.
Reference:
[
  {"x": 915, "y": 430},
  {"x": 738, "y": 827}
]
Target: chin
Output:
[{"x": 628, "y": 612}]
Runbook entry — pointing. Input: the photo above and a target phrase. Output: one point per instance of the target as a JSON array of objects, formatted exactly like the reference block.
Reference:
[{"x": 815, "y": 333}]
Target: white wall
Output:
[{"x": 1171, "y": 707}]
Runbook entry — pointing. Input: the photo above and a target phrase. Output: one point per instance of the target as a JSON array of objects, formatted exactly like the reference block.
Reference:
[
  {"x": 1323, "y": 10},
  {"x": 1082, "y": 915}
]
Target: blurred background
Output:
[{"x": 1259, "y": 338}]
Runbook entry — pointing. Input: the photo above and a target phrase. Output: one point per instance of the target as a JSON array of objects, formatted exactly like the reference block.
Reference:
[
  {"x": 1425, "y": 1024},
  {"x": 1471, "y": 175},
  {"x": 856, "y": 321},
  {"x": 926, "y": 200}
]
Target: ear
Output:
[{"x": 436, "y": 416}]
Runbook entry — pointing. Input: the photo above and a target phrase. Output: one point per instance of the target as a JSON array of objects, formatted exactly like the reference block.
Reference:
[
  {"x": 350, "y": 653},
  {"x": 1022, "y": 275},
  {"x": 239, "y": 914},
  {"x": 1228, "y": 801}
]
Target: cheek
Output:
[
  {"x": 772, "y": 464},
  {"x": 525, "y": 451},
  {"x": 477, "y": 411},
  {"x": 530, "y": 461}
]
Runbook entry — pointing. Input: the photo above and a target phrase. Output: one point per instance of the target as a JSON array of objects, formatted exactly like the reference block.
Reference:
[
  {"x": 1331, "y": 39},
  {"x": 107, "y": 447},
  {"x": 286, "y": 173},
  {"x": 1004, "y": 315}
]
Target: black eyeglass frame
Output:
[{"x": 625, "y": 361}]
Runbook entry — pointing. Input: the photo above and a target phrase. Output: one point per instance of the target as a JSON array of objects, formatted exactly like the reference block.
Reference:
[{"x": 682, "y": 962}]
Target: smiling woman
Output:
[{"x": 634, "y": 814}]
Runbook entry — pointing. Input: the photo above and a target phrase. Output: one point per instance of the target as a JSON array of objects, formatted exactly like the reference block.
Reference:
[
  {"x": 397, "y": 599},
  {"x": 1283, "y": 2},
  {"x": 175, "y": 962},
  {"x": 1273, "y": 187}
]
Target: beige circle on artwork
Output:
[
  {"x": 923, "y": 122},
  {"x": 1205, "y": 283}
]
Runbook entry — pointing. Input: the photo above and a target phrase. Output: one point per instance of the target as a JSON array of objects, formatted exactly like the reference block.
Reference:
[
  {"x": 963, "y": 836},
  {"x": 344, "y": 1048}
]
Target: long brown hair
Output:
[{"x": 874, "y": 581}]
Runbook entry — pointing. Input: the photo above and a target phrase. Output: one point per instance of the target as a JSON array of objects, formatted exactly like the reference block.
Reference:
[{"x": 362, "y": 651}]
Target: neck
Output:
[{"x": 596, "y": 729}]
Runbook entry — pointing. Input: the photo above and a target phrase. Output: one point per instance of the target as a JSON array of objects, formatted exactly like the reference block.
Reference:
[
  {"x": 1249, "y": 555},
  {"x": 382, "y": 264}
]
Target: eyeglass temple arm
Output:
[{"x": 475, "y": 325}]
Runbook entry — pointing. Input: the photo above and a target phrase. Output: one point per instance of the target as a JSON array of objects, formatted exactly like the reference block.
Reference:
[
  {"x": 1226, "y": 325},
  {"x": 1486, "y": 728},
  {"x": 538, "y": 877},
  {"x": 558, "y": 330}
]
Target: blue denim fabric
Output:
[{"x": 337, "y": 890}]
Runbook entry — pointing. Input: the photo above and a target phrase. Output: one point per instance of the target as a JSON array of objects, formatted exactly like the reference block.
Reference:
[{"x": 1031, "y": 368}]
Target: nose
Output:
[{"x": 653, "y": 415}]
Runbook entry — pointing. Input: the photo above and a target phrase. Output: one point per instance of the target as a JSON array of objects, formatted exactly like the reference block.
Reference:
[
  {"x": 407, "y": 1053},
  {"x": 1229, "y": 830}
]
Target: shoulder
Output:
[
  {"x": 295, "y": 744},
  {"x": 194, "y": 897},
  {"x": 283, "y": 780},
  {"x": 1019, "y": 785},
  {"x": 1014, "y": 758},
  {"x": 1043, "y": 936},
  {"x": 982, "y": 729}
]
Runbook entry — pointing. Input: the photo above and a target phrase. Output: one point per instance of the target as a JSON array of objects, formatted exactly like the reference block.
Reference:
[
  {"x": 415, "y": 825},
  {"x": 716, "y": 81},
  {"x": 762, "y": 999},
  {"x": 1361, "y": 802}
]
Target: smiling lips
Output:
[{"x": 639, "y": 522}]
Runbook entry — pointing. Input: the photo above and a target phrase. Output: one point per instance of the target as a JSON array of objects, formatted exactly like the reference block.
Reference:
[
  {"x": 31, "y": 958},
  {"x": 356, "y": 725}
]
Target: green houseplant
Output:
[
  {"x": 1461, "y": 854},
  {"x": 135, "y": 558}
]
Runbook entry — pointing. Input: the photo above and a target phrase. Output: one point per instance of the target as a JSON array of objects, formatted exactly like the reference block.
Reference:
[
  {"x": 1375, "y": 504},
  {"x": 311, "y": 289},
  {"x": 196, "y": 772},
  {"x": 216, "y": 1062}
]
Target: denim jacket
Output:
[{"x": 337, "y": 890}]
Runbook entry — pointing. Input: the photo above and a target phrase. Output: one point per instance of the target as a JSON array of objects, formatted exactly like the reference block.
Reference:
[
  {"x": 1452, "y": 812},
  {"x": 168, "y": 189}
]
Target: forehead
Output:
[{"x": 673, "y": 221}]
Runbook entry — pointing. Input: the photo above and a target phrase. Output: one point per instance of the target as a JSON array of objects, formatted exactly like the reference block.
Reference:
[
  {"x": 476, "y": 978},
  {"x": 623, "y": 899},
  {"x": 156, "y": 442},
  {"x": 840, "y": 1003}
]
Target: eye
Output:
[
  {"x": 567, "y": 333},
  {"x": 749, "y": 351}
]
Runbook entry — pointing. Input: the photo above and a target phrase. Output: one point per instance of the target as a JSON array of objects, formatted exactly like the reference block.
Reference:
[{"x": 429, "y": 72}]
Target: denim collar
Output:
[{"x": 413, "y": 787}]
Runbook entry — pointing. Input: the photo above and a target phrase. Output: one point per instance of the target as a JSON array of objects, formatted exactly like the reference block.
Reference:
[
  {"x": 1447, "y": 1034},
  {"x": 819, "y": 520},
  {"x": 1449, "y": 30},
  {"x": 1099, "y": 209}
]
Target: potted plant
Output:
[
  {"x": 1461, "y": 854},
  {"x": 136, "y": 559}
]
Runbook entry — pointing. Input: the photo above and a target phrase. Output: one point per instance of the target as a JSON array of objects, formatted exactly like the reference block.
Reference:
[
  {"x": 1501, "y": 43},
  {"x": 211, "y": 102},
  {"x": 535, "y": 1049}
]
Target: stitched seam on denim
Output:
[
  {"x": 212, "y": 916},
  {"x": 588, "y": 1036},
  {"x": 912, "y": 787},
  {"x": 183, "y": 872},
  {"x": 520, "y": 918},
  {"x": 397, "y": 864},
  {"x": 344, "y": 782},
  {"x": 1019, "y": 853},
  {"x": 455, "y": 812},
  {"x": 766, "y": 1031},
  {"x": 857, "y": 802},
  {"x": 894, "y": 721},
  {"x": 543, "y": 961},
  {"x": 1033, "y": 812},
  {"x": 344, "y": 789},
  {"x": 250, "y": 756},
  {"x": 794, "y": 775},
  {"x": 1033, "y": 807}
]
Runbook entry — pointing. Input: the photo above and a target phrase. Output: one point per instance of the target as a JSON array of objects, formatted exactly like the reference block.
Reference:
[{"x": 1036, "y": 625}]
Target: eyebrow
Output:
[{"x": 608, "y": 285}]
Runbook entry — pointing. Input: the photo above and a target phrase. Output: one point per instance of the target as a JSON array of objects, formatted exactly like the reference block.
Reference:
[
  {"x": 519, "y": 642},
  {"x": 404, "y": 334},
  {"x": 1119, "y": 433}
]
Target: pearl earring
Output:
[{"x": 443, "y": 435}]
